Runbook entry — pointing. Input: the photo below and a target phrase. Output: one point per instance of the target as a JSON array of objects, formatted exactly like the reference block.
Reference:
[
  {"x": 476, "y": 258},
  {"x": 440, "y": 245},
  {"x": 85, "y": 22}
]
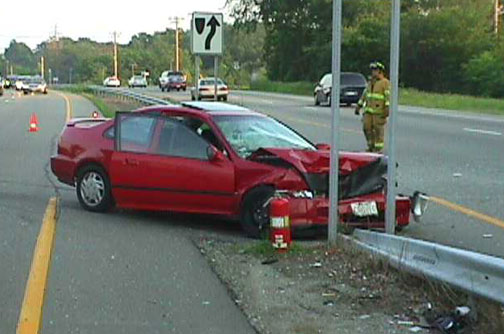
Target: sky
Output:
[{"x": 33, "y": 21}]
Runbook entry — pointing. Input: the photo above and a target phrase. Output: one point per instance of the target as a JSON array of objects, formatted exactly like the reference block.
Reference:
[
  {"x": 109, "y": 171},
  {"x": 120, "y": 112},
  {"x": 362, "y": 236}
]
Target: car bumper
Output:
[
  {"x": 210, "y": 94},
  {"x": 305, "y": 213},
  {"x": 63, "y": 168}
]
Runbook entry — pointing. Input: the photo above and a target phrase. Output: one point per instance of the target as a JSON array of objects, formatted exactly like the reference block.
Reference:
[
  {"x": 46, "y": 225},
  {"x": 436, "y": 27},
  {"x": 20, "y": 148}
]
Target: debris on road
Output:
[
  {"x": 309, "y": 288},
  {"x": 487, "y": 236},
  {"x": 457, "y": 174}
]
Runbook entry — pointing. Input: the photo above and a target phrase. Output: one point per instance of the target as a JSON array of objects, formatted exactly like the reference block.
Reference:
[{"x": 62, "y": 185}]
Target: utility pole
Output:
[
  {"x": 133, "y": 69},
  {"x": 70, "y": 75},
  {"x": 42, "y": 67},
  {"x": 498, "y": 12},
  {"x": 177, "y": 20},
  {"x": 115, "y": 53}
]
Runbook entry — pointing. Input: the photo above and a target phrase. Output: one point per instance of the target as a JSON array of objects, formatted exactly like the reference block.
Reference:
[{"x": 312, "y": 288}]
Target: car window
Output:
[
  {"x": 327, "y": 80},
  {"x": 178, "y": 140},
  {"x": 136, "y": 133},
  {"x": 353, "y": 79}
]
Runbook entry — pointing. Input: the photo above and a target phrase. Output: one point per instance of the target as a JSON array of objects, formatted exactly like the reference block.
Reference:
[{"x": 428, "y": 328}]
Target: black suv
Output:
[{"x": 352, "y": 86}]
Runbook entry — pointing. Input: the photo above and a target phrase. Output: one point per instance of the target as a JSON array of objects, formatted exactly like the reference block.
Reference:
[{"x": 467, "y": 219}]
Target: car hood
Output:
[
  {"x": 360, "y": 173},
  {"x": 317, "y": 161}
]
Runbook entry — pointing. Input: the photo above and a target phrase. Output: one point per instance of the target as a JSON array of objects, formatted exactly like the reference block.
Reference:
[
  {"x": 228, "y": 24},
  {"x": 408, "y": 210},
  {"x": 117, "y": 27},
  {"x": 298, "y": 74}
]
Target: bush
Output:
[{"x": 485, "y": 74}]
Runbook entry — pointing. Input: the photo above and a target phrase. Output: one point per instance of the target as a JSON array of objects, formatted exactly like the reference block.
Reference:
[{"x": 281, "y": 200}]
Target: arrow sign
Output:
[
  {"x": 206, "y": 34},
  {"x": 213, "y": 24}
]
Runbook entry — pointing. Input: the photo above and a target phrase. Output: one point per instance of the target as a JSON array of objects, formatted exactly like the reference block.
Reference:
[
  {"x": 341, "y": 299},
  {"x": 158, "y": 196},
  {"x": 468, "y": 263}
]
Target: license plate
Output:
[
  {"x": 351, "y": 93},
  {"x": 364, "y": 209}
]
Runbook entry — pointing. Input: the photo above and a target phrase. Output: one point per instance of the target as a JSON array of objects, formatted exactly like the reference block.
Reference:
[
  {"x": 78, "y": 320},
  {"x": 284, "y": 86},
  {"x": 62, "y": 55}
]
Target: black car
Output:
[
  {"x": 10, "y": 81},
  {"x": 352, "y": 86}
]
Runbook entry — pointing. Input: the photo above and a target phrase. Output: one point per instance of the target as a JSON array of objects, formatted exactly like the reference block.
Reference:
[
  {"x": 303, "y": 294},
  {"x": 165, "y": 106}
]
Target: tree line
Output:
[
  {"x": 446, "y": 45},
  {"x": 87, "y": 61}
]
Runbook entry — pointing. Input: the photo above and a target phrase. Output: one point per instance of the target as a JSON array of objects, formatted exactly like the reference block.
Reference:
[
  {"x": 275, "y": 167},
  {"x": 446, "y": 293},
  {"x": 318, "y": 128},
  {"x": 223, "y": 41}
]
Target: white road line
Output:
[
  {"x": 311, "y": 108},
  {"x": 485, "y": 132}
]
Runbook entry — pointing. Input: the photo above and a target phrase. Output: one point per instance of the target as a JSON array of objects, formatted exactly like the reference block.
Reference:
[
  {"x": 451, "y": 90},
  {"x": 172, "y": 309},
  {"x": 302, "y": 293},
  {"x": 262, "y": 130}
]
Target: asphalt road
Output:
[
  {"x": 122, "y": 272},
  {"x": 453, "y": 155}
]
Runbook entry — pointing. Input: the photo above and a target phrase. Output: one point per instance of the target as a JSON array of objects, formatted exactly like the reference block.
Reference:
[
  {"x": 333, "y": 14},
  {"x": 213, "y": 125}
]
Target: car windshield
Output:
[
  {"x": 351, "y": 79},
  {"x": 210, "y": 82},
  {"x": 247, "y": 134},
  {"x": 138, "y": 77}
]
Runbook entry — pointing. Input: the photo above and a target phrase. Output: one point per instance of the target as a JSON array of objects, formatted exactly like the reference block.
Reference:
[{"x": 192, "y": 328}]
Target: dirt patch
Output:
[{"x": 315, "y": 289}]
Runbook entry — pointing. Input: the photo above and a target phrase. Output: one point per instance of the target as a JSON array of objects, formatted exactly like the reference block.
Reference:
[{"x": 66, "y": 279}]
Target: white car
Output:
[
  {"x": 112, "y": 82},
  {"x": 35, "y": 85},
  {"x": 206, "y": 89},
  {"x": 137, "y": 81},
  {"x": 21, "y": 82}
]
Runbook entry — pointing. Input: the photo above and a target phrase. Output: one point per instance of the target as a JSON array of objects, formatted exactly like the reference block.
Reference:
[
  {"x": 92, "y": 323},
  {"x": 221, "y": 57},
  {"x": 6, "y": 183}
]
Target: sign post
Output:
[
  {"x": 335, "y": 111},
  {"x": 206, "y": 40},
  {"x": 390, "y": 214}
]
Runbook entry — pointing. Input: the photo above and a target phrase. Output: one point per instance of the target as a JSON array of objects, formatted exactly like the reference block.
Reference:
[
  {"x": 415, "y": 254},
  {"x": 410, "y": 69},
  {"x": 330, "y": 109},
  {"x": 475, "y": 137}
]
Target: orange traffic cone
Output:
[{"x": 33, "y": 123}]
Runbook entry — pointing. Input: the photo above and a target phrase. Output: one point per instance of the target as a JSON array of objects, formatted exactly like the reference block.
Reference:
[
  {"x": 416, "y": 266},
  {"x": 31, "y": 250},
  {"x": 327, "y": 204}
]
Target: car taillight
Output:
[
  {"x": 203, "y": 89},
  {"x": 223, "y": 88}
]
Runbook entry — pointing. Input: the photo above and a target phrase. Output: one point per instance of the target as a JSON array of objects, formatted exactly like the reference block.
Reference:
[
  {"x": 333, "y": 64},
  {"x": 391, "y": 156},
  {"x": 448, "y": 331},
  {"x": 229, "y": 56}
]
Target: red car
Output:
[{"x": 216, "y": 158}]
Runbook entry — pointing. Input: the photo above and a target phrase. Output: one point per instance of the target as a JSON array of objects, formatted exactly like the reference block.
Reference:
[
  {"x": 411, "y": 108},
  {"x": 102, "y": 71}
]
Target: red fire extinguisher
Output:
[{"x": 280, "y": 230}]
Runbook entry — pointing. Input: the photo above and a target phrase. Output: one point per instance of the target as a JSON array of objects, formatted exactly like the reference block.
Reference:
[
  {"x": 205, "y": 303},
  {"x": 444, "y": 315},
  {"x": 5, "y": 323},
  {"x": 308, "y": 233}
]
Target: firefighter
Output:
[{"x": 375, "y": 101}]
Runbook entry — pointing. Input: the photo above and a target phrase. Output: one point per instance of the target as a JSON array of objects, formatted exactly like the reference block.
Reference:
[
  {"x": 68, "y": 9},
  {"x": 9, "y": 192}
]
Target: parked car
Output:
[
  {"x": 137, "y": 81},
  {"x": 216, "y": 158},
  {"x": 112, "y": 82},
  {"x": 2, "y": 83},
  {"x": 352, "y": 86},
  {"x": 206, "y": 89},
  {"x": 34, "y": 85}
]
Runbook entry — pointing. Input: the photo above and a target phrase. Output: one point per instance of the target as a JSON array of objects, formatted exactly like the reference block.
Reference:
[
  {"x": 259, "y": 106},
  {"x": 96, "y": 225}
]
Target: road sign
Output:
[{"x": 206, "y": 33}]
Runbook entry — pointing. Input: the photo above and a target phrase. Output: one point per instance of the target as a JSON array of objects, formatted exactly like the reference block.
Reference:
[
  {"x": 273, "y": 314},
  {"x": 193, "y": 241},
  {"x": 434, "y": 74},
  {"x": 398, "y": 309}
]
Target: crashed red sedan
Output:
[{"x": 216, "y": 158}]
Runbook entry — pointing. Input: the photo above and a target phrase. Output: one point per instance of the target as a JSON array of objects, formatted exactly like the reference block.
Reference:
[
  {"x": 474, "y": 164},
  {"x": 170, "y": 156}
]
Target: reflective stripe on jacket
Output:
[{"x": 376, "y": 97}]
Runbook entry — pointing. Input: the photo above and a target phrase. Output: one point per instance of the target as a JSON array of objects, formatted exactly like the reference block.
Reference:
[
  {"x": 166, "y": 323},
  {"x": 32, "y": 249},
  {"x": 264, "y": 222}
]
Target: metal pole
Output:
[
  {"x": 335, "y": 111},
  {"x": 70, "y": 76},
  {"x": 196, "y": 74},
  {"x": 215, "y": 72},
  {"x": 115, "y": 54},
  {"x": 42, "y": 67},
  {"x": 390, "y": 214},
  {"x": 496, "y": 17},
  {"x": 176, "y": 46}
]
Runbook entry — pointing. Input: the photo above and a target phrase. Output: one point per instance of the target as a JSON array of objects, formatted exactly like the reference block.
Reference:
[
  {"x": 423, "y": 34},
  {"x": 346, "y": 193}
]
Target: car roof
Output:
[{"x": 202, "y": 109}]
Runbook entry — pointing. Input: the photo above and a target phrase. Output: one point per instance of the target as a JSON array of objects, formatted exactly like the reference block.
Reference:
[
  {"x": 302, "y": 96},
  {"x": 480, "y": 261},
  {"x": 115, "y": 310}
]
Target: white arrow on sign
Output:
[{"x": 206, "y": 33}]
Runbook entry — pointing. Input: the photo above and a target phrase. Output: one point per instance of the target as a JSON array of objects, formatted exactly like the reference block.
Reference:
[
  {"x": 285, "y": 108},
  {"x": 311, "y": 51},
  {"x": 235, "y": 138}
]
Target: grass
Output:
[
  {"x": 105, "y": 109},
  {"x": 407, "y": 96},
  {"x": 263, "y": 248}
]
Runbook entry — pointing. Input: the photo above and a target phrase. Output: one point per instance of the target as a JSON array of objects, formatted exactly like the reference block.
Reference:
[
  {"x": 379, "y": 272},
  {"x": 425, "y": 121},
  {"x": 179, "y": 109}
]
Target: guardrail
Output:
[
  {"x": 124, "y": 93},
  {"x": 472, "y": 272}
]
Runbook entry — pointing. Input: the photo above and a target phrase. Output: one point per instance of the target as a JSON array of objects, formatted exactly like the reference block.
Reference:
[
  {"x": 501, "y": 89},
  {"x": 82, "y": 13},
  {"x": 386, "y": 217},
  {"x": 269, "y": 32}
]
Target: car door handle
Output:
[{"x": 131, "y": 162}]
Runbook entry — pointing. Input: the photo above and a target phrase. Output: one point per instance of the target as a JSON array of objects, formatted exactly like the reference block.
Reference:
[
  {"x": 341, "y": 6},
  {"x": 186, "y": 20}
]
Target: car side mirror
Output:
[
  {"x": 214, "y": 155},
  {"x": 323, "y": 147}
]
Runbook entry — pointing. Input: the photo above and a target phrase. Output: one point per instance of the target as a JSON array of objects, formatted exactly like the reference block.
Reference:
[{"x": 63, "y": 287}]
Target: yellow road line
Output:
[
  {"x": 69, "y": 109},
  {"x": 467, "y": 211},
  {"x": 30, "y": 317}
]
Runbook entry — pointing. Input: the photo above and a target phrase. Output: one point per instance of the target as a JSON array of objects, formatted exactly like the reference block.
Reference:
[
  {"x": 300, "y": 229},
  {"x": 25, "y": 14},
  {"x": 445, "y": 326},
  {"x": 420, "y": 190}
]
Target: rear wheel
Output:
[
  {"x": 162, "y": 89},
  {"x": 93, "y": 189},
  {"x": 255, "y": 217},
  {"x": 315, "y": 98}
]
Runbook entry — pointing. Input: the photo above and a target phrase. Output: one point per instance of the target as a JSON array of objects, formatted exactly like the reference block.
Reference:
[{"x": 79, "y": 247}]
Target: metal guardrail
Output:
[
  {"x": 121, "y": 92},
  {"x": 472, "y": 272}
]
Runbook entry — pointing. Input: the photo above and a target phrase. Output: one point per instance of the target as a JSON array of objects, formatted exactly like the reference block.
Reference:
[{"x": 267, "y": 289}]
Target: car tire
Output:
[
  {"x": 162, "y": 89},
  {"x": 199, "y": 98},
  {"x": 193, "y": 98},
  {"x": 224, "y": 98},
  {"x": 329, "y": 100},
  {"x": 45, "y": 91},
  {"x": 254, "y": 217},
  {"x": 317, "y": 102},
  {"x": 92, "y": 179},
  {"x": 184, "y": 89}
]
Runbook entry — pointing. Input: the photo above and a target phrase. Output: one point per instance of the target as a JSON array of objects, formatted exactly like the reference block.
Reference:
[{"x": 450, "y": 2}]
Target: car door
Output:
[{"x": 174, "y": 172}]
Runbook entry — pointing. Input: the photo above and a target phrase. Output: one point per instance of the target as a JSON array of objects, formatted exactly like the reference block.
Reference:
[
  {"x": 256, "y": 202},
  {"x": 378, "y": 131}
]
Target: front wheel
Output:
[
  {"x": 255, "y": 216},
  {"x": 93, "y": 189},
  {"x": 317, "y": 102}
]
